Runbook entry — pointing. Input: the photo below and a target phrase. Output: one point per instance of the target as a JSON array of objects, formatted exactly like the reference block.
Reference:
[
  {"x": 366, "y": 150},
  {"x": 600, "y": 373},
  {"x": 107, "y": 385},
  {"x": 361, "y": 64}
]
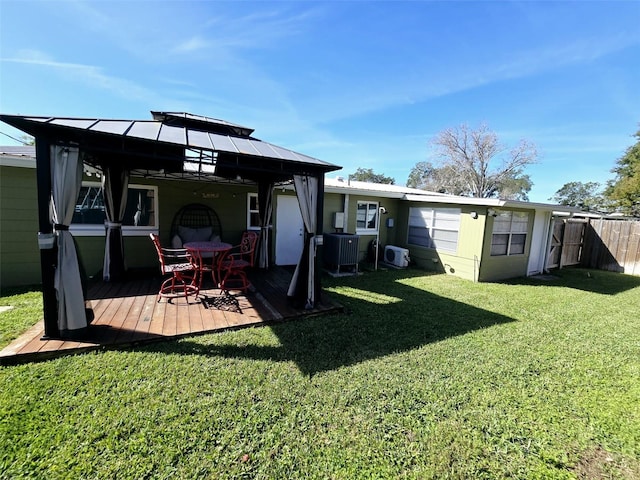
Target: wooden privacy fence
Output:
[{"x": 611, "y": 244}]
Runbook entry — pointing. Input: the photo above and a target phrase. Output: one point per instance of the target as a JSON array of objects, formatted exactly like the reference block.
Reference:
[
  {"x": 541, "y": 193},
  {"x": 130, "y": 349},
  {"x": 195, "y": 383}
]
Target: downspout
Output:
[
  {"x": 345, "y": 209},
  {"x": 46, "y": 239}
]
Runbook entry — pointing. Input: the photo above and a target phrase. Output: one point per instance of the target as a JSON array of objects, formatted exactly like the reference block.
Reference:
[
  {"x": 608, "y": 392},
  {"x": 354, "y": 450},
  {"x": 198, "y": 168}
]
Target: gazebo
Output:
[{"x": 170, "y": 145}]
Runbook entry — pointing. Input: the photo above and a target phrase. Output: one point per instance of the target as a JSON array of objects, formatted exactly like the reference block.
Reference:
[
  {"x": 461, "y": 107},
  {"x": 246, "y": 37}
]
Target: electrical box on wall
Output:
[
  {"x": 389, "y": 222},
  {"x": 338, "y": 219}
]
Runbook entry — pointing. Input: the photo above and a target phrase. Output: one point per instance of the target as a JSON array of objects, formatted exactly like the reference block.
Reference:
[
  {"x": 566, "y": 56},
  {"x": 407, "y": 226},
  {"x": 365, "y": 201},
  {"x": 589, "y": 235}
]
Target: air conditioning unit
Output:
[
  {"x": 396, "y": 256},
  {"x": 341, "y": 250}
]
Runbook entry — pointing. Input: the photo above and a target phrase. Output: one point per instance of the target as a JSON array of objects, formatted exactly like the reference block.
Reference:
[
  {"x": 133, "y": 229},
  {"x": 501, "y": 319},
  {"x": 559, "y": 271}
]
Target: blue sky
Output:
[{"x": 355, "y": 83}]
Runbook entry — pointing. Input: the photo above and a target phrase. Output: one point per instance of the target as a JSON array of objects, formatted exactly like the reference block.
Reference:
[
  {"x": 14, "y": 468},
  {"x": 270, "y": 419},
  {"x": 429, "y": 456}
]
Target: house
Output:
[
  {"x": 477, "y": 239},
  {"x": 480, "y": 239},
  {"x": 94, "y": 189}
]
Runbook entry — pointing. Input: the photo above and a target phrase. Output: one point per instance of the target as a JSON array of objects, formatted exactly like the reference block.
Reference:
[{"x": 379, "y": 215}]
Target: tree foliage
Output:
[
  {"x": 624, "y": 190},
  {"x": 472, "y": 162},
  {"x": 27, "y": 140},
  {"x": 577, "y": 194},
  {"x": 426, "y": 176},
  {"x": 368, "y": 175}
]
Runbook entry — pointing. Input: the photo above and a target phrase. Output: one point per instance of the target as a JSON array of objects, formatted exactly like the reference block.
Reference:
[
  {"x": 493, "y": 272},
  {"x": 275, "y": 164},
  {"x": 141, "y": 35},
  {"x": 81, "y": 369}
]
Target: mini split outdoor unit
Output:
[{"x": 396, "y": 256}]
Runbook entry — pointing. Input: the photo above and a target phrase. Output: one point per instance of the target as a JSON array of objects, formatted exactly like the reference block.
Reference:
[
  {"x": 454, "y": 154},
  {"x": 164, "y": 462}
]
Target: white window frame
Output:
[
  {"x": 510, "y": 233},
  {"x": 250, "y": 211},
  {"x": 97, "y": 230},
  {"x": 427, "y": 218},
  {"x": 367, "y": 230}
]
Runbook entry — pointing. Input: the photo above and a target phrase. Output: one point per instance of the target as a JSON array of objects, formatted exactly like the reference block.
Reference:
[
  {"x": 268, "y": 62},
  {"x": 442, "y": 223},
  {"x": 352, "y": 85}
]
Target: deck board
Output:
[{"x": 127, "y": 313}]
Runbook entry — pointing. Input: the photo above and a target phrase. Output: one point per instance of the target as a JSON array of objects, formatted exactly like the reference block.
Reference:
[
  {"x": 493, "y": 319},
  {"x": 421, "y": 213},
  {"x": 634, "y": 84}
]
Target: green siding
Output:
[
  {"x": 138, "y": 253},
  {"x": 20, "y": 258},
  {"x": 229, "y": 202},
  {"x": 473, "y": 259},
  {"x": 334, "y": 202},
  {"x": 19, "y": 253},
  {"x": 503, "y": 267},
  {"x": 465, "y": 262}
]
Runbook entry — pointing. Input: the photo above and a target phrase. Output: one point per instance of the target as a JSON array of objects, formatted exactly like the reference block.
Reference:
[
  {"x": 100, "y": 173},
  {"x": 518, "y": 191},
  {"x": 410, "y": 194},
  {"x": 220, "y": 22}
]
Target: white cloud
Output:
[
  {"x": 89, "y": 75},
  {"x": 377, "y": 89},
  {"x": 191, "y": 45}
]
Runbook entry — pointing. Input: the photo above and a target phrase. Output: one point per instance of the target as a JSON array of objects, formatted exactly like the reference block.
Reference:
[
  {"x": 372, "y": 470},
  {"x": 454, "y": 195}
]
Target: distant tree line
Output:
[
  {"x": 368, "y": 175},
  {"x": 620, "y": 194}
]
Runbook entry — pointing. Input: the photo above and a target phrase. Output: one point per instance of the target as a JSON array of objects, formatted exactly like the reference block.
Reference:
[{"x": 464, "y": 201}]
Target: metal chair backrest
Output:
[
  {"x": 169, "y": 256},
  {"x": 248, "y": 245}
]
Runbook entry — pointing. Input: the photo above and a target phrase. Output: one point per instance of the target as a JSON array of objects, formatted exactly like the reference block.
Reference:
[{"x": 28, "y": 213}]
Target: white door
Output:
[{"x": 289, "y": 230}]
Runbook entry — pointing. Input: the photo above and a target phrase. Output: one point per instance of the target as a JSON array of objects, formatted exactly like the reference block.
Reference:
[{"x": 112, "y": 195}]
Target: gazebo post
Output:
[
  {"x": 46, "y": 240},
  {"x": 319, "y": 230}
]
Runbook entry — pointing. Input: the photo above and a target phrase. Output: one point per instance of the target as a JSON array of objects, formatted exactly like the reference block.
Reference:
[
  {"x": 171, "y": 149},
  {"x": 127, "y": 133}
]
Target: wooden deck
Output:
[{"x": 128, "y": 313}]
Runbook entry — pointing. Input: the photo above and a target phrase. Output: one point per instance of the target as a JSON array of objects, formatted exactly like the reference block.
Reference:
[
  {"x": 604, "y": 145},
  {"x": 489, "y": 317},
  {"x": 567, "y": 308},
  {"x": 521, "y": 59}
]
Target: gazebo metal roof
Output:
[{"x": 174, "y": 143}]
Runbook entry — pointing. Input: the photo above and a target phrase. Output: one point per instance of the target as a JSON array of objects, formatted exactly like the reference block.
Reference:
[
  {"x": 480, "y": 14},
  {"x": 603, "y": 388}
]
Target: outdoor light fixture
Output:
[{"x": 473, "y": 215}]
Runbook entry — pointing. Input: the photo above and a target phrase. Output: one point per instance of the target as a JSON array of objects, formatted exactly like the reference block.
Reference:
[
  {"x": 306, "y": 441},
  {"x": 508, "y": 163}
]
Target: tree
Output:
[
  {"x": 467, "y": 161},
  {"x": 426, "y": 176},
  {"x": 367, "y": 175},
  {"x": 624, "y": 190},
  {"x": 577, "y": 194}
]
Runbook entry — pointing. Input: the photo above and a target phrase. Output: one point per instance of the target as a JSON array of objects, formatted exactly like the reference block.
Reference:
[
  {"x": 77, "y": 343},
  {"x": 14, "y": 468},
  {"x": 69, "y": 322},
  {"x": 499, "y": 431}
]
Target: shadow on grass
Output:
[
  {"x": 383, "y": 317},
  {"x": 588, "y": 280},
  {"x": 19, "y": 290}
]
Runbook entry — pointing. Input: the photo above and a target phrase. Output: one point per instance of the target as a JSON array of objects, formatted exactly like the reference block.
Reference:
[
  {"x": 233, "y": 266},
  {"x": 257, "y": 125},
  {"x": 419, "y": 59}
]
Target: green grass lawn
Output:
[
  {"x": 425, "y": 376},
  {"x": 26, "y": 310}
]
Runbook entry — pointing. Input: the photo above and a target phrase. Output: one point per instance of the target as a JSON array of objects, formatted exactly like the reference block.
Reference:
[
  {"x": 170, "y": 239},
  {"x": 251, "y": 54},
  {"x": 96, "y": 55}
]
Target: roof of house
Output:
[
  {"x": 341, "y": 185},
  {"x": 491, "y": 202},
  {"x": 18, "y": 156},
  {"x": 19, "y": 150}
]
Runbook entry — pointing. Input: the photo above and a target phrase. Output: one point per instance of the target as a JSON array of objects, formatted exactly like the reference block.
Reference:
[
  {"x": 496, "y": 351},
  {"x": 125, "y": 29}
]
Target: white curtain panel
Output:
[
  {"x": 265, "y": 205},
  {"x": 307, "y": 192},
  {"x": 66, "y": 179},
  {"x": 115, "y": 182}
]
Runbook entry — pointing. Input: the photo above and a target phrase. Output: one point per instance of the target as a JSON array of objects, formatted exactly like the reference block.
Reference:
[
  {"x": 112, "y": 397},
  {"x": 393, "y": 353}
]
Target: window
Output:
[
  {"x": 140, "y": 215},
  {"x": 253, "y": 213},
  {"x": 366, "y": 217},
  {"x": 509, "y": 233},
  {"x": 434, "y": 228}
]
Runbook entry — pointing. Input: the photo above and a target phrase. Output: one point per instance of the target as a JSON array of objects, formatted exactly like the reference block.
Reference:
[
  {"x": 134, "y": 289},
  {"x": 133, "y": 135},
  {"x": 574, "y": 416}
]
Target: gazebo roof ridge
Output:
[{"x": 201, "y": 122}]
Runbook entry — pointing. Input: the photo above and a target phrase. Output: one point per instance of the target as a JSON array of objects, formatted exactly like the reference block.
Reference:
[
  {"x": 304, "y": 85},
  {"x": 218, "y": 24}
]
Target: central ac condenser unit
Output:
[
  {"x": 340, "y": 251},
  {"x": 396, "y": 256}
]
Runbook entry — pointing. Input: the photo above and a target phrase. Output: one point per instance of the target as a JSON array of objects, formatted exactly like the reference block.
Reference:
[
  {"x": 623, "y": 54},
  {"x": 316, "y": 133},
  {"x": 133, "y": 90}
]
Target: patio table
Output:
[{"x": 196, "y": 249}]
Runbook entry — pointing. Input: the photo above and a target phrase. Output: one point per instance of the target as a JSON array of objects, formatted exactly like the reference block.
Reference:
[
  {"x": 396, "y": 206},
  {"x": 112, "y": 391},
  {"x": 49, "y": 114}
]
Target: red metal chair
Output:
[
  {"x": 234, "y": 262},
  {"x": 182, "y": 268}
]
